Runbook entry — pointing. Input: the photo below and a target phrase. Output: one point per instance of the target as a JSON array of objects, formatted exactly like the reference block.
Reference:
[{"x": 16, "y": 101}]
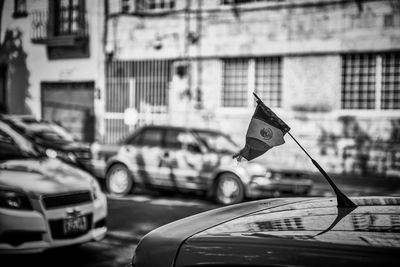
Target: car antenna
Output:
[{"x": 342, "y": 200}]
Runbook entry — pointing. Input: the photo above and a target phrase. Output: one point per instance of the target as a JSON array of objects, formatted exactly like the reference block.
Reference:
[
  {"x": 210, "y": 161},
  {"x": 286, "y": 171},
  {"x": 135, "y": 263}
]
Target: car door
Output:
[
  {"x": 143, "y": 152},
  {"x": 183, "y": 160}
]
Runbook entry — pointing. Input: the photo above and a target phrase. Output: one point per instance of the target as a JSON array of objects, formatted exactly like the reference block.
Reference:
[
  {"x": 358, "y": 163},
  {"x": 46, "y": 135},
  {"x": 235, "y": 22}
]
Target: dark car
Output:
[
  {"x": 55, "y": 140},
  {"x": 189, "y": 159},
  {"x": 280, "y": 232}
]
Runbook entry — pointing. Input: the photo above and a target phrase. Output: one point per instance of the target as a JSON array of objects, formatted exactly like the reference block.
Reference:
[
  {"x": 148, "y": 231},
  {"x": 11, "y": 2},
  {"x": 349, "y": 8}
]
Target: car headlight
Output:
[
  {"x": 96, "y": 190},
  {"x": 69, "y": 156},
  {"x": 10, "y": 199}
]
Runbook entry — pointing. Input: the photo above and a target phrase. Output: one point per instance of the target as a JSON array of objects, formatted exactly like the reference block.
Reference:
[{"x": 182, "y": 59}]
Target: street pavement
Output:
[{"x": 129, "y": 219}]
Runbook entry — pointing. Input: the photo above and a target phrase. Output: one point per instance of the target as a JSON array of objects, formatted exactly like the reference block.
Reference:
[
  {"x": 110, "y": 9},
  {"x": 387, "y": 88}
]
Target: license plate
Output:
[{"x": 75, "y": 225}]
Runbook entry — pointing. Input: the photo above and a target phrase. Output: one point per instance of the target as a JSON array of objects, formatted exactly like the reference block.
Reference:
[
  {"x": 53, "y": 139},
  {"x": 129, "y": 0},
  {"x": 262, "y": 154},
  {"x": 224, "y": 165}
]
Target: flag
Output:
[{"x": 266, "y": 130}]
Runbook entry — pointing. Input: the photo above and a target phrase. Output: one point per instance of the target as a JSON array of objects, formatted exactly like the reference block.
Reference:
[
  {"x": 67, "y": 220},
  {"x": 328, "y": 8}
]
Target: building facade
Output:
[
  {"x": 52, "y": 62},
  {"x": 330, "y": 69}
]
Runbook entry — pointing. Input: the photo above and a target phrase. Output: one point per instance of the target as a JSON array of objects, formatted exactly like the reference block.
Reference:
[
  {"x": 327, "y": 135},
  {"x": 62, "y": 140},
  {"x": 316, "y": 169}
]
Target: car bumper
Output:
[
  {"x": 276, "y": 188},
  {"x": 37, "y": 230}
]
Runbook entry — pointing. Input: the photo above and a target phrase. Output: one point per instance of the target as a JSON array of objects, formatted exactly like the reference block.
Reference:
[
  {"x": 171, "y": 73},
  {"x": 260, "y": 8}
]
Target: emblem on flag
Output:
[{"x": 265, "y": 131}]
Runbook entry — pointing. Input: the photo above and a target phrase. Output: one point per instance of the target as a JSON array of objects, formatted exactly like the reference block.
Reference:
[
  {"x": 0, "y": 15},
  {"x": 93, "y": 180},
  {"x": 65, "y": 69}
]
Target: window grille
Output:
[
  {"x": 238, "y": 2},
  {"x": 243, "y": 76},
  {"x": 358, "y": 81},
  {"x": 20, "y": 9},
  {"x": 235, "y": 83},
  {"x": 268, "y": 81},
  {"x": 390, "y": 81},
  {"x": 70, "y": 16},
  {"x": 156, "y": 5},
  {"x": 371, "y": 81}
]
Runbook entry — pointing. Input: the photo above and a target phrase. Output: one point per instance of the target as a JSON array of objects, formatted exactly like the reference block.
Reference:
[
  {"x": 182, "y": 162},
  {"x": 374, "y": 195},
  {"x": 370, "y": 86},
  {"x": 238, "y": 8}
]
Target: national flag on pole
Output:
[{"x": 266, "y": 130}]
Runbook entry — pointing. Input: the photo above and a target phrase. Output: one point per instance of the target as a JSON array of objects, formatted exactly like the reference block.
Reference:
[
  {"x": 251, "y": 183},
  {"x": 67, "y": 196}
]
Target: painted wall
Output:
[
  {"x": 39, "y": 68},
  {"x": 340, "y": 27},
  {"x": 310, "y": 38}
]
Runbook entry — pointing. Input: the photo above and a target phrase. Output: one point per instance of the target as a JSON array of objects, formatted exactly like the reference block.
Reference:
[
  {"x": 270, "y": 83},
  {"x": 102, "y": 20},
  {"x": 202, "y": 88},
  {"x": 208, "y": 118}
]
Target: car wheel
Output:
[
  {"x": 119, "y": 180},
  {"x": 228, "y": 189}
]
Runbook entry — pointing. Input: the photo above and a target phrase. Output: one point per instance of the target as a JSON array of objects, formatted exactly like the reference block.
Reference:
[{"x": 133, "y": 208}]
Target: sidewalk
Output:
[{"x": 353, "y": 184}]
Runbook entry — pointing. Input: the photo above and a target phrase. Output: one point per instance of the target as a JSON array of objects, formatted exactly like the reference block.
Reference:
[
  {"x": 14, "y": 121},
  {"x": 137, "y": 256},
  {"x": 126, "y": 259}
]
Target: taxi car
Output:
[
  {"x": 279, "y": 232},
  {"x": 53, "y": 139},
  {"x": 188, "y": 159},
  {"x": 44, "y": 202}
]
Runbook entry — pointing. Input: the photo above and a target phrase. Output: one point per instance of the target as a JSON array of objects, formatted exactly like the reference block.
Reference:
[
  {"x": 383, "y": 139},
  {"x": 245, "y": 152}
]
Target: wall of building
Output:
[
  {"x": 37, "y": 66},
  {"x": 260, "y": 29},
  {"x": 311, "y": 38}
]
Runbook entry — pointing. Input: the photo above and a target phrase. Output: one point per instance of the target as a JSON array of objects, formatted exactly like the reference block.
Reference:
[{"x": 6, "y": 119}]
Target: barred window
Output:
[
  {"x": 243, "y": 76},
  {"x": 238, "y": 2},
  {"x": 126, "y": 6},
  {"x": 268, "y": 81},
  {"x": 390, "y": 81},
  {"x": 156, "y": 5},
  {"x": 69, "y": 17},
  {"x": 371, "y": 81},
  {"x": 358, "y": 81},
  {"x": 20, "y": 9},
  {"x": 235, "y": 83}
]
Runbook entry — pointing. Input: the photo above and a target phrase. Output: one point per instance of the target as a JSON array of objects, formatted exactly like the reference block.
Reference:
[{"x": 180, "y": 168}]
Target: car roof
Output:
[
  {"x": 375, "y": 222},
  {"x": 179, "y": 128},
  {"x": 23, "y": 119}
]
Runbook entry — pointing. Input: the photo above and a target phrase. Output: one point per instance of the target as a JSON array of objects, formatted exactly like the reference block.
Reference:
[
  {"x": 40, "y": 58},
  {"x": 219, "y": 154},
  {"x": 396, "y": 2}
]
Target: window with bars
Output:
[
  {"x": 268, "y": 80},
  {"x": 371, "y": 81},
  {"x": 243, "y": 76},
  {"x": 20, "y": 9},
  {"x": 126, "y": 6},
  {"x": 390, "y": 97},
  {"x": 69, "y": 17},
  {"x": 235, "y": 85},
  {"x": 156, "y": 5},
  {"x": 238, "y": 2}
]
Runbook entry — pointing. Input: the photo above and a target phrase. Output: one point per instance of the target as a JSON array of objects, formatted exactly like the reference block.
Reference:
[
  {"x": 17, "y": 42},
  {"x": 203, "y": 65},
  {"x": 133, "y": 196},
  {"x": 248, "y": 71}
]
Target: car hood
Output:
[
  {"x": 43, "y": 176},
  {"x": 264, "y": 231}
]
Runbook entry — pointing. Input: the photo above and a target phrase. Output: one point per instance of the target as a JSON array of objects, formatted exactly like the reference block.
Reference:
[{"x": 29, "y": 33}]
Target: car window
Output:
[
  {"x": 171, "y": 139},
  {"x": 217, "y": 142},
  {"x": 151, "y": 137},
  {"x": 131, "y": 140}
]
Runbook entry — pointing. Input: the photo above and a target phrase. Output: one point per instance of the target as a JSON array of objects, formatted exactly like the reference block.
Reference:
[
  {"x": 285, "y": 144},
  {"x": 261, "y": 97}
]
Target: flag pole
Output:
[{"x": 342, "y": 200}]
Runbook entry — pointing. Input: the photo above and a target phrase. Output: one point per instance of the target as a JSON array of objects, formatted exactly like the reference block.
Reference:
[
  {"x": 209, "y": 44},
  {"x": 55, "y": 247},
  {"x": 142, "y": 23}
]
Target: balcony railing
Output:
[{"x": 43, "y": 32}]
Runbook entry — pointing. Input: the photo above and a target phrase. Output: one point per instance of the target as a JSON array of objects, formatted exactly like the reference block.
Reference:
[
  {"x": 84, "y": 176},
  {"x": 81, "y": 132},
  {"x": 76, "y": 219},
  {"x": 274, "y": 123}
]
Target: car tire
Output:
[
  {"x": 119, "y": 180},
  {"x": 228, "y": 189}
]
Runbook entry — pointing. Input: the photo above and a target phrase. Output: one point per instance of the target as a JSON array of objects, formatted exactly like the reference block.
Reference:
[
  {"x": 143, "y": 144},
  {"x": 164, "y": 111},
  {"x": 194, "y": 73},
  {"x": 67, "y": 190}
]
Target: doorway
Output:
[{"x": 71, "y": 105}]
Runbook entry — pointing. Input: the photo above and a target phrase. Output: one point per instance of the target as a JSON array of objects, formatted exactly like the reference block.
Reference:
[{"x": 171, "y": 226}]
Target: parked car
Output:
[
  {"x": 55, "y": 140},
  {"x": 279, "y": 232},
  {"x": 44, "y": 202},
  {"x": 188, "y": 159}
]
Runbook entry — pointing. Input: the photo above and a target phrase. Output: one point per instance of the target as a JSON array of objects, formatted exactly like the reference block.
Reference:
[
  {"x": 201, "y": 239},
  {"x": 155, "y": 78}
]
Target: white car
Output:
[
  {"x": 190, "y": 159},
  {"x": 44, "y": 202}
]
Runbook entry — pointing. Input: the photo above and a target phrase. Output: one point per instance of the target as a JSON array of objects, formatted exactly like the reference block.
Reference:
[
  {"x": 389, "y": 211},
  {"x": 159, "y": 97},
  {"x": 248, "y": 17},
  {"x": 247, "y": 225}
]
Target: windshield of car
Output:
[
  {"x": 48, "y": 131},
  {"x": 217, "y": 142},
  {"x": 12, "y": 149}
]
